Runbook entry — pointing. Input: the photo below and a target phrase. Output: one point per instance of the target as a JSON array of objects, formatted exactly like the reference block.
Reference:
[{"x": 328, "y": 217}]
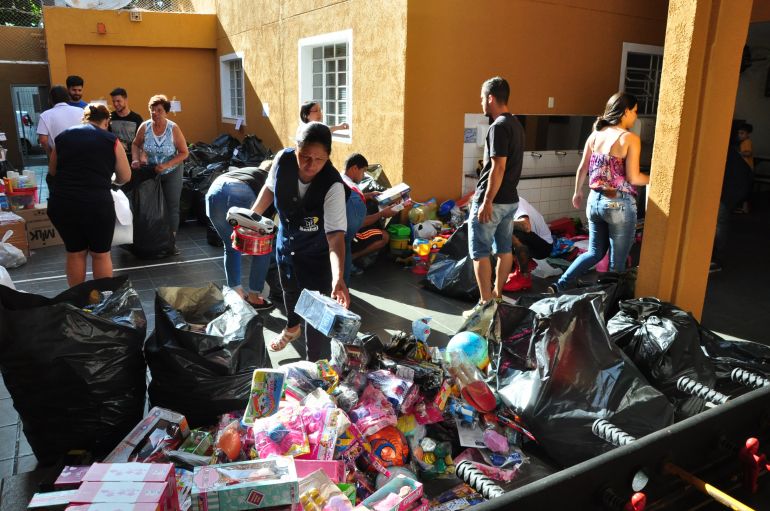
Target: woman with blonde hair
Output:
[
  {"x": 160, "y": 142},
  {"x": 81, "y": 205}
]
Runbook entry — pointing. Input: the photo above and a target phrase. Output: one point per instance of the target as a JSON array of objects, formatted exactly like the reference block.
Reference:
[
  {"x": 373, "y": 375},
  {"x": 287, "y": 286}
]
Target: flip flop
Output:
[{"x": 284, "y": 340}]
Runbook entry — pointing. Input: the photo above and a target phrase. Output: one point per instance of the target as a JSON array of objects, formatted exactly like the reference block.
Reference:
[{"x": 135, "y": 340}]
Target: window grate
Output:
[
  {"x": 330, "y": 81},
  {"x": 236, "y": 87},
  {"x": 642, "y": 79}
]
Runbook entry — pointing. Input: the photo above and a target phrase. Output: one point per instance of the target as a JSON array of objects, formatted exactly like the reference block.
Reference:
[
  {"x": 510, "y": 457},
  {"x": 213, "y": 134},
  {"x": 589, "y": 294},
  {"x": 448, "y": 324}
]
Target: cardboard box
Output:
[
  {"x": 51, "y": 500},
  {"x": 19, "y": 237},
  {"x": 334, "y": 469},
  {"x": 70, "y": 477},
  {"x": 115, "y": 507},
  {"x": 125, "y": 493},
  {"x": 395, "y": 486},
  {"x": 172, "y": 423},
  {"x": 135, "y": 472},
  {"x": 245, "y": 485},
  {"x": 40, "y": 231}
]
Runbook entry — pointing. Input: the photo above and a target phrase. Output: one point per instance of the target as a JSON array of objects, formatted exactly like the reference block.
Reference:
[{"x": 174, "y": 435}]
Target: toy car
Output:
[
  {"x": 437, "y": 242},
  {"x": 242, "y": 217}
]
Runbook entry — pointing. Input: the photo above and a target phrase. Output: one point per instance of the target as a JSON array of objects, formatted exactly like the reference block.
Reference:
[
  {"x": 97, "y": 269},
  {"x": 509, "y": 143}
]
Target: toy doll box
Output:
[
  {"x": 245, "y": 485},
  {"x": 159, "y": 419},
  {"x": 408, "y": 490},
  {"x": 135, "y": 472},
  {"x": 115, "y": 507},
  {"x": 92, "y": 492}
]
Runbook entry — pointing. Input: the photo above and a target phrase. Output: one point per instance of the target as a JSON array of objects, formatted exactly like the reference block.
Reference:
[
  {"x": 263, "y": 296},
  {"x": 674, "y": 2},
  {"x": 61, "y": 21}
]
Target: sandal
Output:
[{"x": 285, "y": 339}]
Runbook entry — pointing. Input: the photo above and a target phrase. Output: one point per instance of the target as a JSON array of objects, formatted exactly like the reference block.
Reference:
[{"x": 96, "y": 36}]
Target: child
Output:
[{"x": 746, "y": 150}]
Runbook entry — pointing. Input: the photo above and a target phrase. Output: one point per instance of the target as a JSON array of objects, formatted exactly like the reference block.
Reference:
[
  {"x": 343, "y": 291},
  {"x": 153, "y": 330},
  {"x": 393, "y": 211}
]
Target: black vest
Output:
[{"x": 301, "y": 234}]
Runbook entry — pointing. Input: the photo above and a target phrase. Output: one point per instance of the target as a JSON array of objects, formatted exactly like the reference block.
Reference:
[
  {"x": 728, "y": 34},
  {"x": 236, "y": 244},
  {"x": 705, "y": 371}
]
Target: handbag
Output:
[{"x": 124, "y": 219}]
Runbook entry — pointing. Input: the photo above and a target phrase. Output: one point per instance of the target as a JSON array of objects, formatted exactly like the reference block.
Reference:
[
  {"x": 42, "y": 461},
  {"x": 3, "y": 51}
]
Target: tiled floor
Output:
[{"x": 388, "y": 298}]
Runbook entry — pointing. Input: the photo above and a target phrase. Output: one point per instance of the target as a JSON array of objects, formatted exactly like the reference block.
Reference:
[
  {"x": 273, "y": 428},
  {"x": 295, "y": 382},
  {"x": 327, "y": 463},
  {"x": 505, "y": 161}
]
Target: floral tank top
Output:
[
  {"x": 159, "y": 148},
  {"x": 608, "y": 171}
]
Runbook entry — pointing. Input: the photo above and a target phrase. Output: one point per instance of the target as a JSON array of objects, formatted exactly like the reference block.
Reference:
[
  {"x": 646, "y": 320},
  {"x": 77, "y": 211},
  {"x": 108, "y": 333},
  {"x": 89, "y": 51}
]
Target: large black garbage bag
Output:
[
  {"x": 203, "y": 351},
  {"x": 510, "y": 342},
  {"x": 75, "y": 372},
  {"x": 581, "y": 376},
  {"x": 250, "y": 153},
  {"x": 153, "y": 238},
  {"x": 224, "y": 145},
  {"x": 205, "y": 153},
  {"x": 664, "y": 343},
  {"x": 451, "y": 273}
]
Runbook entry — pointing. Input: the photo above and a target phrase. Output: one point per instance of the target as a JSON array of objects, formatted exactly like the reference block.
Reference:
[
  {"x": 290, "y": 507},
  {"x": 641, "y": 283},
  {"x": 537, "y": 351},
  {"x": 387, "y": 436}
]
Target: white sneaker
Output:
[{"x": 470, "y": 312}]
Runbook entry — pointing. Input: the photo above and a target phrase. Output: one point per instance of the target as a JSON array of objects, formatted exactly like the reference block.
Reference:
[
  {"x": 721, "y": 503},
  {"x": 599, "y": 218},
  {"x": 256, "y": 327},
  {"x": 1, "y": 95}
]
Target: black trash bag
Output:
[
  {"x": 203, "y": 182},
  {"x": 203, "y": 351},
  {"x": 451, "y": 273},
  {"x": 77, "y": 378},
  {"x": 205, "y": 153},
  {"x": 153, "y": 237},
  {"x": 727, "y": 355},
  {"x": 250, "y": 153},
  {"x": 224, "y": 145},
  {"x": 664, "y": 343},
  {"x": 581, "y": 376},
  {"x": 510, "y": 342}
]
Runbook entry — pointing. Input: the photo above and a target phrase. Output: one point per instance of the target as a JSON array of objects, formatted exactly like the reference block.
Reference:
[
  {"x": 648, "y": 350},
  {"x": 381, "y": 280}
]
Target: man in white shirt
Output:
[
  {"x": 531, "y": 240},
  {"x": 57, "y": 119}
]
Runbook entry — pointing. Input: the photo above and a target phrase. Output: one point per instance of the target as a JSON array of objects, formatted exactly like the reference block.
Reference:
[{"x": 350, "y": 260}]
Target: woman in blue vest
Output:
[{"x": 310, "y": 198}]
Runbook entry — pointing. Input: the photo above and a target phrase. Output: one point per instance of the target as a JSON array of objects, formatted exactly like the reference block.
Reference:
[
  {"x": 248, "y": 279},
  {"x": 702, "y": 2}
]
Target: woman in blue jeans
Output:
[
  {"x": 239, "y": 187},
  {"x": 611, "y": 163}
]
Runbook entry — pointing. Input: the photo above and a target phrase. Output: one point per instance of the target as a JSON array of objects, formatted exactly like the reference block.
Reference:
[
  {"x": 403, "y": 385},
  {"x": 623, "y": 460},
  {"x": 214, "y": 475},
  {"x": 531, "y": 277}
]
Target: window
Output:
[
  {"x": 325, "y": 77},
  {"x": 640, "y": 72},
  {"x": 231, "y": 86}
]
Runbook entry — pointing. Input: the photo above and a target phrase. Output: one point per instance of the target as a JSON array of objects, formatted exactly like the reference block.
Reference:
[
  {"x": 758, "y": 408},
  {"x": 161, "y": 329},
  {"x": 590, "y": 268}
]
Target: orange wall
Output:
[
  {"x": 568, "y": 49},
  {"x": 760, "y": 11},
  {"x": 172, "y": 54}
]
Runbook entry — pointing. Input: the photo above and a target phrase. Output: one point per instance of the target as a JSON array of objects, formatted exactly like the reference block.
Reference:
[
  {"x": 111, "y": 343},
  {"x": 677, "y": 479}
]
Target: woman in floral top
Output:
[{"x": 611, "y": 163}]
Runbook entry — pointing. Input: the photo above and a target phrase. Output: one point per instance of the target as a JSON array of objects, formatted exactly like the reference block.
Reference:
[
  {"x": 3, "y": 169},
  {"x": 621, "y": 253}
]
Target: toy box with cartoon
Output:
[
  {"x": 393, "y": 195},
  {"x": 135, "y": 472},
  {"x": 115, "y": 506},
  {"x": 266, "y": 390},
  {"x": 245, "y": 485},
  {"x": 160, "y": 429},
  {"x": 398, "y": 494},
  {"x": 92, "y": 492}
]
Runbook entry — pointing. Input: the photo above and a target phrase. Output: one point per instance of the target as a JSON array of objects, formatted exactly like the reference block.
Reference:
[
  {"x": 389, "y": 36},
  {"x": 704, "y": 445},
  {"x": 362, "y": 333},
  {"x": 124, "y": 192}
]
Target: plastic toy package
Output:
[
  {"x": 318, "y": 493},
  {"x": 304, "y": 377},
  {"x": 281, "y": 434},
  {"x": 323, "y": 427},
  {"x": 373, "y": 412},
  {"x": 265, "y": 394},
  {"x": 401, "y": 392}
]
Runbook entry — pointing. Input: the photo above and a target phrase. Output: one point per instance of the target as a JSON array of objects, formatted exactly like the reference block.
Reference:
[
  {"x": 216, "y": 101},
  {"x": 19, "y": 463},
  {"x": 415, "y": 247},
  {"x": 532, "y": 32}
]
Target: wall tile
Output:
[{"x": 469, "y": 164}]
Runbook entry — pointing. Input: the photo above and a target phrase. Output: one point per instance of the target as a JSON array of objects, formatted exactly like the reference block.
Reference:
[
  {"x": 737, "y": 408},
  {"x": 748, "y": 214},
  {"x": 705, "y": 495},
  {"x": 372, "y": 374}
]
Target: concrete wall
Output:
[
  {"x": 172, "y": 54},
  {"x": 566, "y": 49},
  {"x": 751, "y": 103},
  {"x": 268, "y": 31}
]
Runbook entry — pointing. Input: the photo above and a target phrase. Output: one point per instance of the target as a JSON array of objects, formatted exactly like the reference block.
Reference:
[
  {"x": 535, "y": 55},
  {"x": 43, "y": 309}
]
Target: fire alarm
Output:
[
  {"x": 101, "y": 28},
  {"x": 136, "y": 15}
]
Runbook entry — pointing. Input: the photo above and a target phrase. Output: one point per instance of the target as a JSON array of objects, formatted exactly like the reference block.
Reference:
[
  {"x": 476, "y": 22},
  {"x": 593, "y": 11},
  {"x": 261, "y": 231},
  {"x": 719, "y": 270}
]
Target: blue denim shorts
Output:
[{"x": 494, "y": 236}]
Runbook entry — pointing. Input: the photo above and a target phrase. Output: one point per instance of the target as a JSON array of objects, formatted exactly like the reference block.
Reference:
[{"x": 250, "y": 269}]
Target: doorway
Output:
[{"x": 28, "y": 102}]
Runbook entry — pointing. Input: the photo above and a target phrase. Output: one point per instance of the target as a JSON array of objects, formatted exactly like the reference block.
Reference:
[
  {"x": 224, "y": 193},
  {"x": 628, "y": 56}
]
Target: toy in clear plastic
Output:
[
  {"x": 473, "y": 388},
  {"x": 282, "y": 434},
  {"x": 327, "y": 316}
]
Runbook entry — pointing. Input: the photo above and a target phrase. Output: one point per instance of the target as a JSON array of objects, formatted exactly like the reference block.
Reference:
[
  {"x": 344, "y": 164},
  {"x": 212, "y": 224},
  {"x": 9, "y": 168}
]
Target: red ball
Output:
[{"x": 389, "y": 445}]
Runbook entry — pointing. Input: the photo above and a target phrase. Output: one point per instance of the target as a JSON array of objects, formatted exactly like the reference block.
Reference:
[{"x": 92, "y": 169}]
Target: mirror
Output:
[{"x": 555, "y": 132}]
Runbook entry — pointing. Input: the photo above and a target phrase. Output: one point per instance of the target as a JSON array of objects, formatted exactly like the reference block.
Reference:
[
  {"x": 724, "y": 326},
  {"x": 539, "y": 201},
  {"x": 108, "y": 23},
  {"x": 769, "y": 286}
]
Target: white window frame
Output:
[
  {"x": 635, "y": 48},
  {"x": 305, "y": 74},
  {"x": 224, "y": 88}
]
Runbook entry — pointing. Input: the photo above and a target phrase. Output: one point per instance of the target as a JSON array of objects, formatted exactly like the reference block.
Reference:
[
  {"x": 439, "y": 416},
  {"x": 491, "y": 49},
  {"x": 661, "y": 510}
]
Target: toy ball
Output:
[
  {"x": 389, "y": 445},
  {"x": 472, "y": 345}
]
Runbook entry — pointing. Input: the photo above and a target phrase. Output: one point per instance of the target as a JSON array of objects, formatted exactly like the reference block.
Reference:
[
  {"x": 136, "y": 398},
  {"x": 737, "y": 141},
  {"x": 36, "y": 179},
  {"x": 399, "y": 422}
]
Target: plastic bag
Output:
[
  {"x": 10, "y": 256},
  {"x": 152, "y": 227},
  {"x": 451, "y": 273},
  {"x": 250, "y": 153},
  {"x": 581, "y": 376},
  {"x": 664, "y": 343},
  {"x": 124, "y": 219},
  {"x": 77, "y": 377},
  {"x": 203, "y": 352},
  {"x": 5, "y": 278}
]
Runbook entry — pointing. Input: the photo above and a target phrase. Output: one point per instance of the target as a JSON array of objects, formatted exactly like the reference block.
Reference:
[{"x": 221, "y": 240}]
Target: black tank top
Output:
[{"x": 85, "y": 162}]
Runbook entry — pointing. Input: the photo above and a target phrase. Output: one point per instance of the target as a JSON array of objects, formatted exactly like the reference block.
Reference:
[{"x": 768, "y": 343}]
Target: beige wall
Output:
[
  {"x": 567, "y": 49},
  {"x": 268, "y": 37},
  {"x": 172, "y": 54}
]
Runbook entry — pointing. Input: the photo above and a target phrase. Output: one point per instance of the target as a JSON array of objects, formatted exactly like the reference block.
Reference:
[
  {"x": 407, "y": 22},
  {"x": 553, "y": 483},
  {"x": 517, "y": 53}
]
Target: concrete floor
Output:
[{"x": 388, "y": 298}]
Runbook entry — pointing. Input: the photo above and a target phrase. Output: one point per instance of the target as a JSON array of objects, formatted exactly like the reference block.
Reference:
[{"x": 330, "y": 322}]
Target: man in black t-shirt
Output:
[
  {"x": 123, "y": 122},
  {"x": 490, "y": 224}
]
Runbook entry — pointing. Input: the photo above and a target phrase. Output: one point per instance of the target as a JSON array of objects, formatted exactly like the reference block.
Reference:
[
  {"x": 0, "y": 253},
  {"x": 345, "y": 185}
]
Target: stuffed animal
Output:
[{"x": 426, "y": 230}]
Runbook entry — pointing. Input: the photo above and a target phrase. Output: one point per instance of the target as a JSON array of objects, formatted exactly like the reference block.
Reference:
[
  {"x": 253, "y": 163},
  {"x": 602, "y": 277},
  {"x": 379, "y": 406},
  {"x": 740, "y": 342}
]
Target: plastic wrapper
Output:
[
  {"x": 281, "y": 434},
  {"x": 472, "y": 386},
  {"x": 581, "y": 376},
  {"x": 374, "y": 411},
  {"x": 728, "y": 355},
  {"x": 664, "y": 343},
  {"x": 318, "y": 493},
  {"x": 323, "y": 427},
  {"x": 153, "y": 237},
  {"x": 401, "y": 392},
  {"x": 348, "y": 356},
  {"x": 77, "y": 378},
  {"x": 203, "y": 352},
  {"x": 327, "y": 316},
  {"x": 347, "y": 393},
  {"x": 304, "y": 377},
  {"x": 451, "y": 273}
]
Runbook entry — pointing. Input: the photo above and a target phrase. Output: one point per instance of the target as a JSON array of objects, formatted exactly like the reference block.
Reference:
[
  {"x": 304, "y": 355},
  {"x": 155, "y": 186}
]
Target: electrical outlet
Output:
[
  {"x": 136, "y": 16},
  {"x": 551, "y": 101}
]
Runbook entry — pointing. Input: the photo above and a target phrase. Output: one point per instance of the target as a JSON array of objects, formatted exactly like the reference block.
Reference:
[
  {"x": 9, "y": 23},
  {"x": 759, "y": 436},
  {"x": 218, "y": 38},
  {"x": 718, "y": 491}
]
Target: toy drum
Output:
[{"x": 251, "y": 242}]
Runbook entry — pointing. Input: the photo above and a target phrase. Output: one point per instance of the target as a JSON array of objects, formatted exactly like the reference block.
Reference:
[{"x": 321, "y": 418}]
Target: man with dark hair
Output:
[
  {"x": 75, "y": 91},
  {"x": 123, "y": 121},
  {"x": 361, "y": 238},
  {"x": 57, "y": 118},
  {"x": 490, "y": 224}
]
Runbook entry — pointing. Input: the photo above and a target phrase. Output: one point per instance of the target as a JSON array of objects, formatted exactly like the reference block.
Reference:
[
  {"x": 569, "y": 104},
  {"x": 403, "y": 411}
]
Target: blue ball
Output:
[{"x": 472, "y": 345}]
